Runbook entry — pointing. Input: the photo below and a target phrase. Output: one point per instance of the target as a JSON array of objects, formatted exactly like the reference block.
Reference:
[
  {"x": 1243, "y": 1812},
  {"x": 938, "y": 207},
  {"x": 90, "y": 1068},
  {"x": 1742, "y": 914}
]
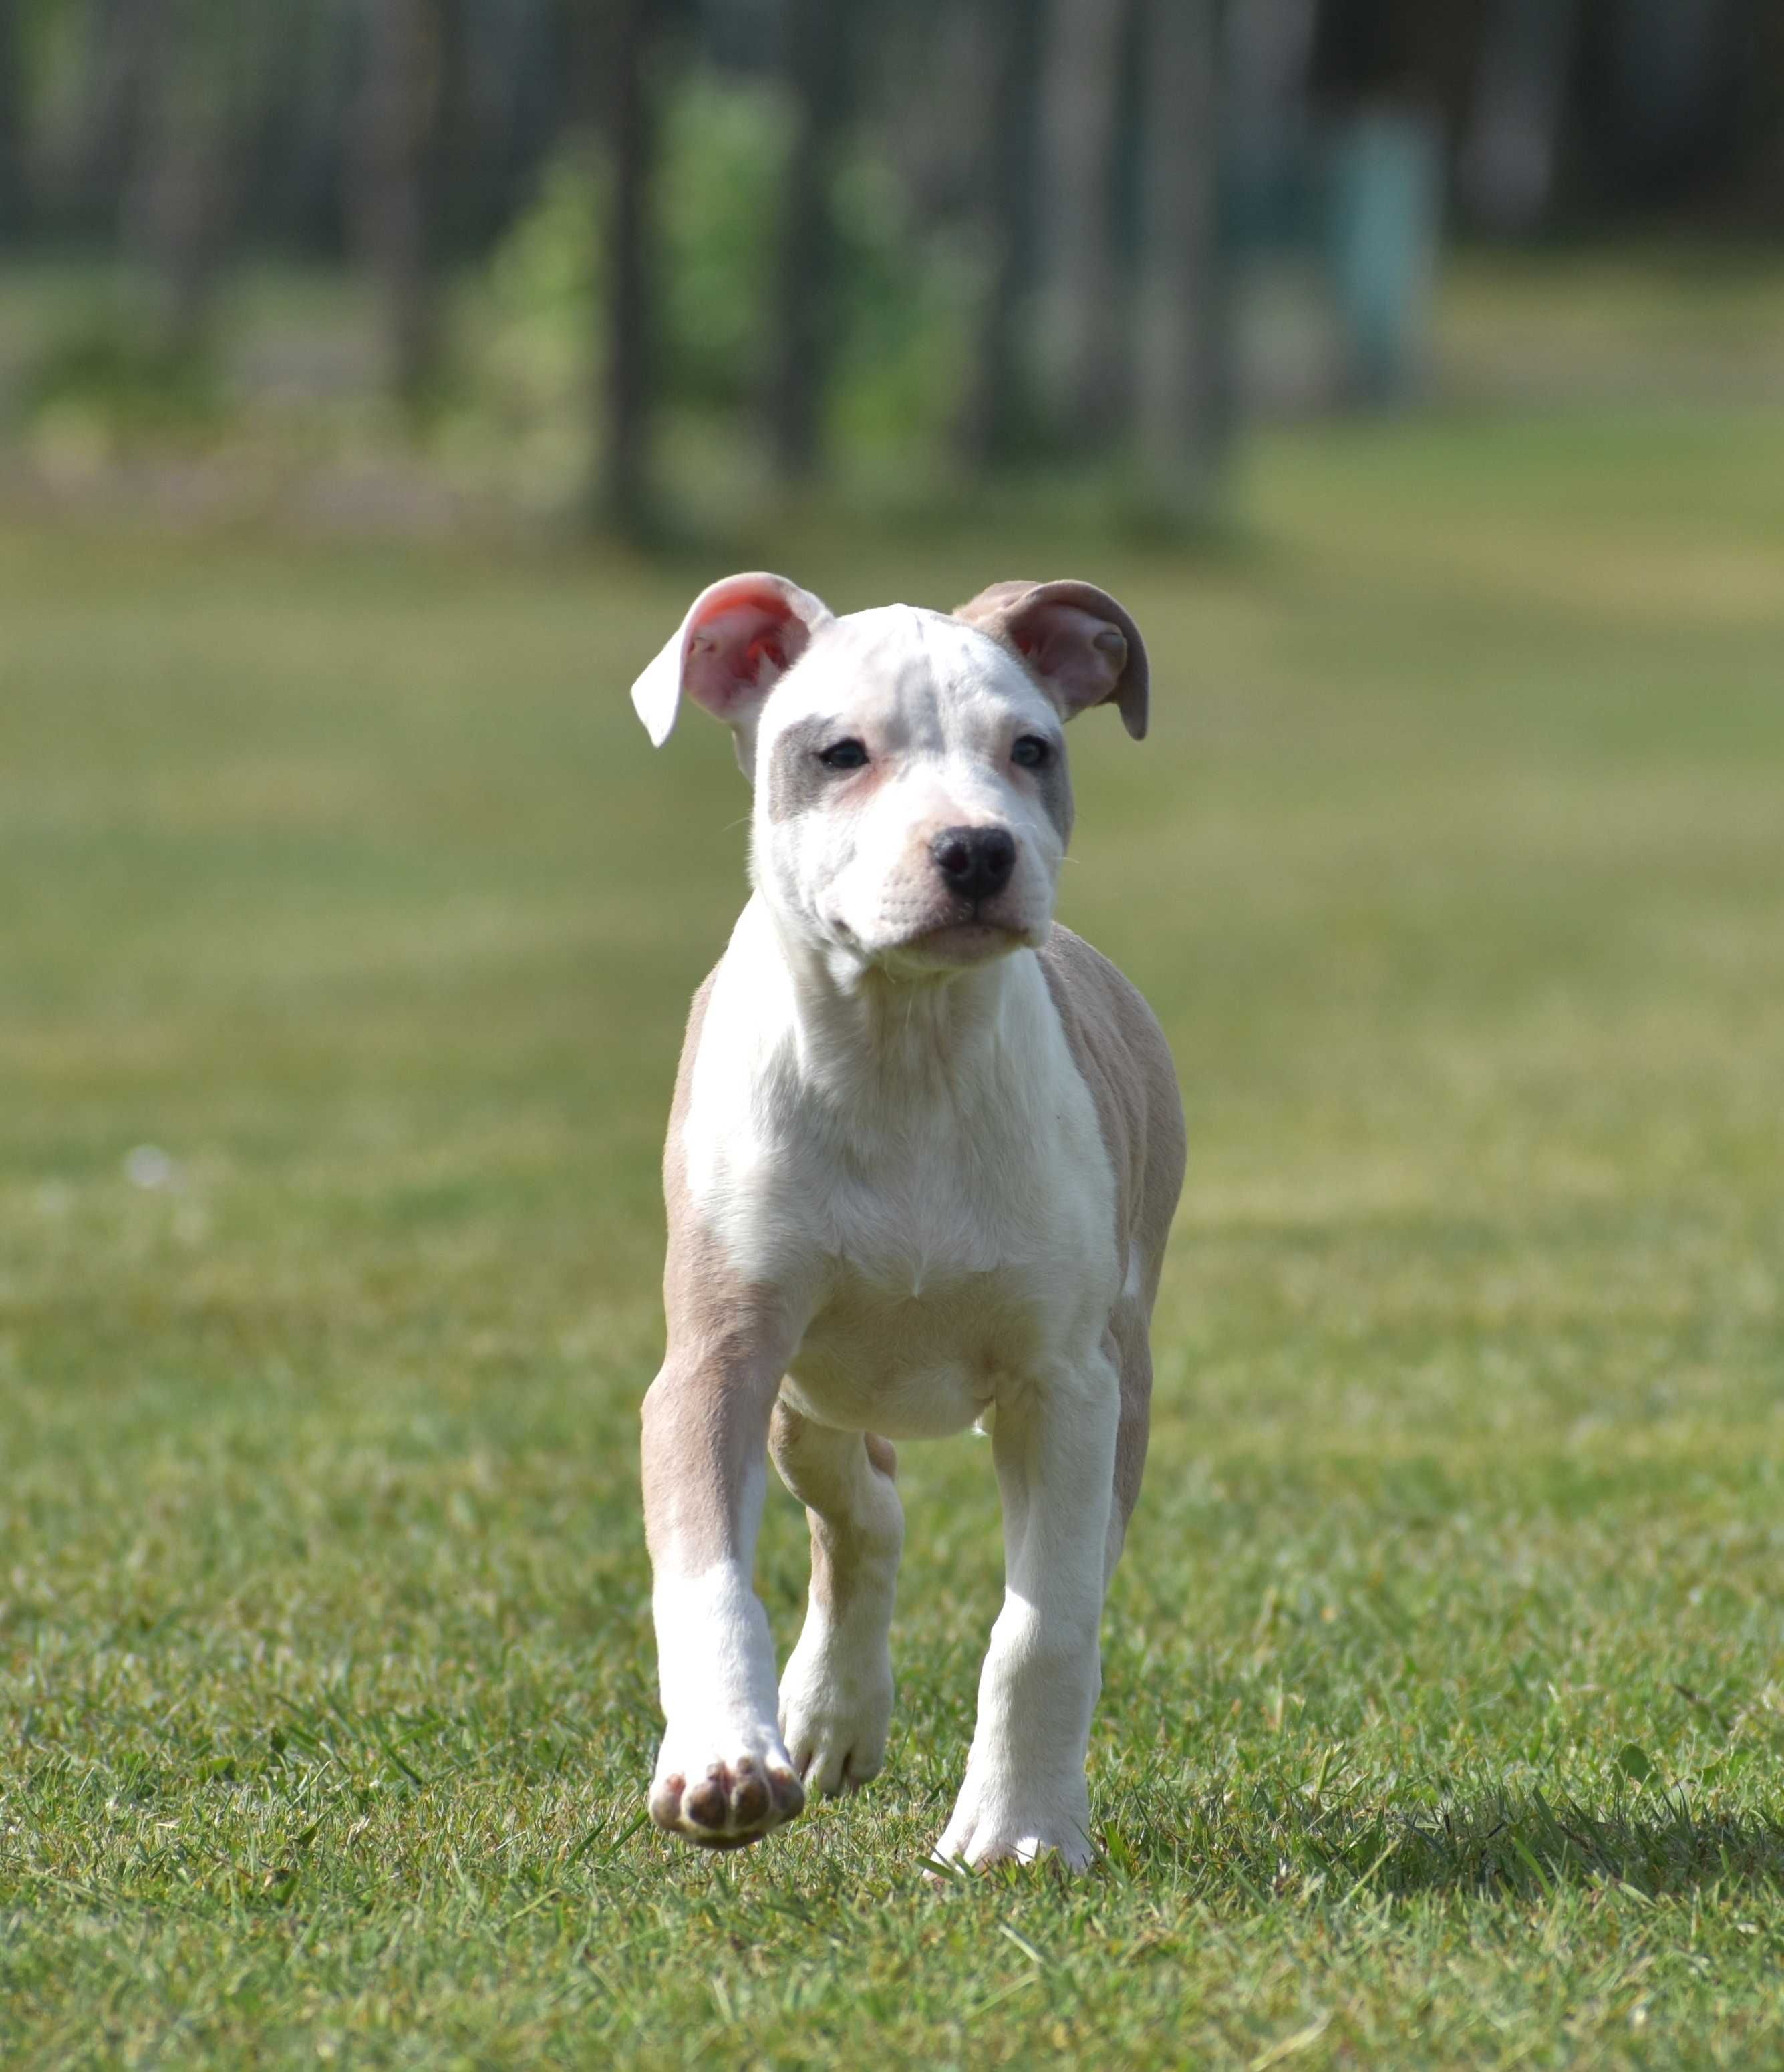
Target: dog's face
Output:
[
  {"x": 913, "y": 802},
  {"x": 912, "y": 798}
]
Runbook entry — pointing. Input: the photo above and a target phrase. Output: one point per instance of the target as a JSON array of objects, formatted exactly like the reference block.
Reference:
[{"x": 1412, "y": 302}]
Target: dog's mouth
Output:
[{"x": 953, "y": 945}]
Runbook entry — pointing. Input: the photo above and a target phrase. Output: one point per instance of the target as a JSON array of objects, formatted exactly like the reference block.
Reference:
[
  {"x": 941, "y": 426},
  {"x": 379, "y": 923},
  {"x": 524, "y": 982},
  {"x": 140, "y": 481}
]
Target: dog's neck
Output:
[{"x": 866, "y": 1033}]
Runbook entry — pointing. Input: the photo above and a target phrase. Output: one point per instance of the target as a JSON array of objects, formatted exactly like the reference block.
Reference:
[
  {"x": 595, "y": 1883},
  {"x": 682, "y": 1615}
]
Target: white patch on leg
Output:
[
  {"x": 1025, "y": 1793},
  {"x": 1002, "y": 1817},
  {"x": 836, "y": 1704},
  {"x": 723, "y": 1775}
]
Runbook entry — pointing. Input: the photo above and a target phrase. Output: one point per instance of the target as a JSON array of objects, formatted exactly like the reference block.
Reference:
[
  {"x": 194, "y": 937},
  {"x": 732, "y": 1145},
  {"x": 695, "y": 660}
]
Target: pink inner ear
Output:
[
  {"x": 1082, "y": 656},
  {"x": 744, "y": 638}
]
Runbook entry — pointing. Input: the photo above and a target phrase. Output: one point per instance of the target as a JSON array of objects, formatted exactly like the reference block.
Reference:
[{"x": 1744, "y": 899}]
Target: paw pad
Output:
[{"x": 735, "y": 1802}]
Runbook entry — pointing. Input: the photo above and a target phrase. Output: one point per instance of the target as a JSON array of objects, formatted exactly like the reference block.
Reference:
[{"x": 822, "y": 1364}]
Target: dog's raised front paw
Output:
[
  {"x": 726, "y": 1801},
  {"x": 999, "y": 1820},
  {"x": 835, "y": 1714}
]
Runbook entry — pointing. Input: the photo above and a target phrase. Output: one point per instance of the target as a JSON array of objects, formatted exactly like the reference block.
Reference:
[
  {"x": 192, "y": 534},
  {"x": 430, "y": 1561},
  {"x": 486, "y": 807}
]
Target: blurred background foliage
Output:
[{"x": 633, "y": 261}]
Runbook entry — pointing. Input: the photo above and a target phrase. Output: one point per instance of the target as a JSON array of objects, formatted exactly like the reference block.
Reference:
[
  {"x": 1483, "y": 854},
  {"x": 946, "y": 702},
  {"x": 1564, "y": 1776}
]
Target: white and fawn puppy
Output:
[{"x": 924, "y": 1155}]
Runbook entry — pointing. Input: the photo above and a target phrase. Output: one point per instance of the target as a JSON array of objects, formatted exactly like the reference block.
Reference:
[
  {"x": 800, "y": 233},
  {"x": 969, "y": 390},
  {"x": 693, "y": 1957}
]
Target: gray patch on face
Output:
[
  {"x": 797, "y": 781},
  {"x": 1054, "y": 782}
]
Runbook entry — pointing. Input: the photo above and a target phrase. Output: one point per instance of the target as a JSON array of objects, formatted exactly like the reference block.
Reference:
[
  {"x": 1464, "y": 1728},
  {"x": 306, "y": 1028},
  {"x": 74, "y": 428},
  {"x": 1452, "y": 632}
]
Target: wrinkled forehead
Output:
[{"x": 916, "y": 677}]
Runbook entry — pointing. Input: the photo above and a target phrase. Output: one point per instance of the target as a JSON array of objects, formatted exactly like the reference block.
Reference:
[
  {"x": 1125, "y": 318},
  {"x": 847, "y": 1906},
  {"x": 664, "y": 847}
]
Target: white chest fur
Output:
[{"x": 928, "y": 1169}]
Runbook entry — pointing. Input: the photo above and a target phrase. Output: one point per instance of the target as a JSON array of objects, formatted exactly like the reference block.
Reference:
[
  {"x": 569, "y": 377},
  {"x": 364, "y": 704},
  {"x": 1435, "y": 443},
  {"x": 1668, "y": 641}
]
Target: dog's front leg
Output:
[
  {"x": 1025, "y": 1791},
  {"x": 723, "y": 1778}
]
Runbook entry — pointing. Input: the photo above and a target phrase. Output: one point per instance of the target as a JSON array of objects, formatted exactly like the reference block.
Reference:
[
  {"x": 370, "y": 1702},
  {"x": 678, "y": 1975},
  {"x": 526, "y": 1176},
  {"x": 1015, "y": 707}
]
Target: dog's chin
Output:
[{"x": 955, "y": 946}]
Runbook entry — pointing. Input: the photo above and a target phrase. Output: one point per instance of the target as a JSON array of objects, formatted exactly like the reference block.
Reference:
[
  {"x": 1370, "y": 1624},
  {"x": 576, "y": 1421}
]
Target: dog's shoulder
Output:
[
  {"x": 1121, "y": 1053},
  {"x": 1108, "y": 1020},
  {"x": 739, "y": 1007},
  {"x": 690, "y": 1049}
]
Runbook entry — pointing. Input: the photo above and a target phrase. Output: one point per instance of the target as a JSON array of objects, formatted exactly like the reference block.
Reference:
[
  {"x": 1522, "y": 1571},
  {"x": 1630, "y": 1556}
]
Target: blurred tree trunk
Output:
[
  {"x": 998, "y": 421},
  {"x": 1266, "y": 113},
  {"x": 1507, "y": 171},
  {"x": 175, "y": 202},
  {"x": 396, "y": 183},
  {"x": 14, "y": 179},
  {"x": 1182, "y": 407},
  {"x": 1764, "y": 125},
  {"x": 1081, "y": 113},
  {"x": 817, "y": 73},
  {"x": 320, "y": 169},
  {"x": 624, "y": 492},
  {"x": 115, "y": 77},
  {"x": 1672, "y": 66}
]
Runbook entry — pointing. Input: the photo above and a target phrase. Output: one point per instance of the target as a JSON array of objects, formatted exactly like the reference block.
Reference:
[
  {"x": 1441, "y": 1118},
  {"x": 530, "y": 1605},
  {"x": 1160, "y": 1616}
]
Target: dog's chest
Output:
[
  {"x": 957, "y": 1235},
  {"x": 970, "y": 1260}
]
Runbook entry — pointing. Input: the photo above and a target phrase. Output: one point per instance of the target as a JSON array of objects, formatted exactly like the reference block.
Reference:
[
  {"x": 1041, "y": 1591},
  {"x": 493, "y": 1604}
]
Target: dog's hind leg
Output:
[{"x": 836, "y": 1694}]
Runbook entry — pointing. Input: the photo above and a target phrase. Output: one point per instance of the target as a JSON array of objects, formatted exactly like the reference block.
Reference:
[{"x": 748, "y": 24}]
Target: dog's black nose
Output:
[{"x": 975, "y": 862}]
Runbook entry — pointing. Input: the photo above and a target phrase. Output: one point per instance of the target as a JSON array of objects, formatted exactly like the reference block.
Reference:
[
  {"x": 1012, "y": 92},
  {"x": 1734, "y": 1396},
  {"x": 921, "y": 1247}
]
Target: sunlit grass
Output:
[{"x": 1443, "y": 1714}]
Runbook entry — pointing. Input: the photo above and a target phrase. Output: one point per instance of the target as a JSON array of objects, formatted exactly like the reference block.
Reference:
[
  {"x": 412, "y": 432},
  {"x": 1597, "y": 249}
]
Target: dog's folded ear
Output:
[
  {"x": 1076, "y": 639},
  {"x": 739, "y": 638}
]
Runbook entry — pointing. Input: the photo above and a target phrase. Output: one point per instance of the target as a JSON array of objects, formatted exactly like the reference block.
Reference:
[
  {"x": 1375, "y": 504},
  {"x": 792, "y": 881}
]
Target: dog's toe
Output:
[
  {"x": 732, "y": 1802},
  {"x": 835, "y": 1716},
  {"x": 1000, "y": 1819}
]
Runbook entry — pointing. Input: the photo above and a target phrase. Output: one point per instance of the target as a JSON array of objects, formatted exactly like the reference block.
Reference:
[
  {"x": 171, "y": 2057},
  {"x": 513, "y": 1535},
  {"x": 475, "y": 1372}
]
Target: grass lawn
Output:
[{"x": 347, "y": 924}]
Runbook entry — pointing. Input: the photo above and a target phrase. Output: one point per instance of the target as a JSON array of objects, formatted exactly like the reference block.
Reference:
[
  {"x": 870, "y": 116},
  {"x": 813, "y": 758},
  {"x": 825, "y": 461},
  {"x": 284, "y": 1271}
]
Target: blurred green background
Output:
[
  {"x": 668, "y": 266},
  {"x": 347, "y": 923}
]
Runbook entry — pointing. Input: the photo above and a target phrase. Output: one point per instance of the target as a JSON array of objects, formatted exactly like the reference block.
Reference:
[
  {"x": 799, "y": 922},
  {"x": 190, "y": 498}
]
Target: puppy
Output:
[{"x": 924, "y": 1155}]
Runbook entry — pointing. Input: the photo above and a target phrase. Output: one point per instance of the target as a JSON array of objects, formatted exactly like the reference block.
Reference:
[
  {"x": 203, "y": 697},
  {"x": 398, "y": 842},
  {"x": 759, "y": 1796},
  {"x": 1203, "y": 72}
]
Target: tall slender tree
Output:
[
  {"x": 1510, "y": 154},
  {"x": 1085, "y": 329},
  {"x": 176, "y": 199},
  {"x": 624, "y": 494},
  {"x": 397, "y": 183},
  {"x": 817, "y": 70},
  {"x": 1182, "y": 388},
  {"x": 114, "y": 78},
  {"x": 14, "y": 180},
  {"x": 998, "y": 419}
]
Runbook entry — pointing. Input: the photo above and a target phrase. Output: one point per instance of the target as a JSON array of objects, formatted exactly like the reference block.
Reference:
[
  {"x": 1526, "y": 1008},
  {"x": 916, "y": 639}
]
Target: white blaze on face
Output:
[{"x": 937, "y": 707}]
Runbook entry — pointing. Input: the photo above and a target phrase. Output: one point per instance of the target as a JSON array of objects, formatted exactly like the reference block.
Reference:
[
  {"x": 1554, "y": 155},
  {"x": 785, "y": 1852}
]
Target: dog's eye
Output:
[
  {"x": 1031, "y": 752},
  {"x": 849, "y": 754}
]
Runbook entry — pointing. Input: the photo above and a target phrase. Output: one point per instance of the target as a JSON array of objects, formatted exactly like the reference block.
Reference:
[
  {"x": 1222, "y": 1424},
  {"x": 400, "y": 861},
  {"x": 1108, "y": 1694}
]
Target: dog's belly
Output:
[{"x": 916, "y": 1366}]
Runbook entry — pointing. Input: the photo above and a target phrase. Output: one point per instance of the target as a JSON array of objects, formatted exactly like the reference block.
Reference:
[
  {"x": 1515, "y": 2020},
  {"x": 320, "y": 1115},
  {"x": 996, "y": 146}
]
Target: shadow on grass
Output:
[{"x": 1517, "y": 1845}]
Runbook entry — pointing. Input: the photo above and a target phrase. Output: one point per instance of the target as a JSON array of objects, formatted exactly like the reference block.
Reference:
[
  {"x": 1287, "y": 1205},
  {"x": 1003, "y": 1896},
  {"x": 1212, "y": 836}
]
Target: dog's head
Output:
[{"x": 912, "y": 800}]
